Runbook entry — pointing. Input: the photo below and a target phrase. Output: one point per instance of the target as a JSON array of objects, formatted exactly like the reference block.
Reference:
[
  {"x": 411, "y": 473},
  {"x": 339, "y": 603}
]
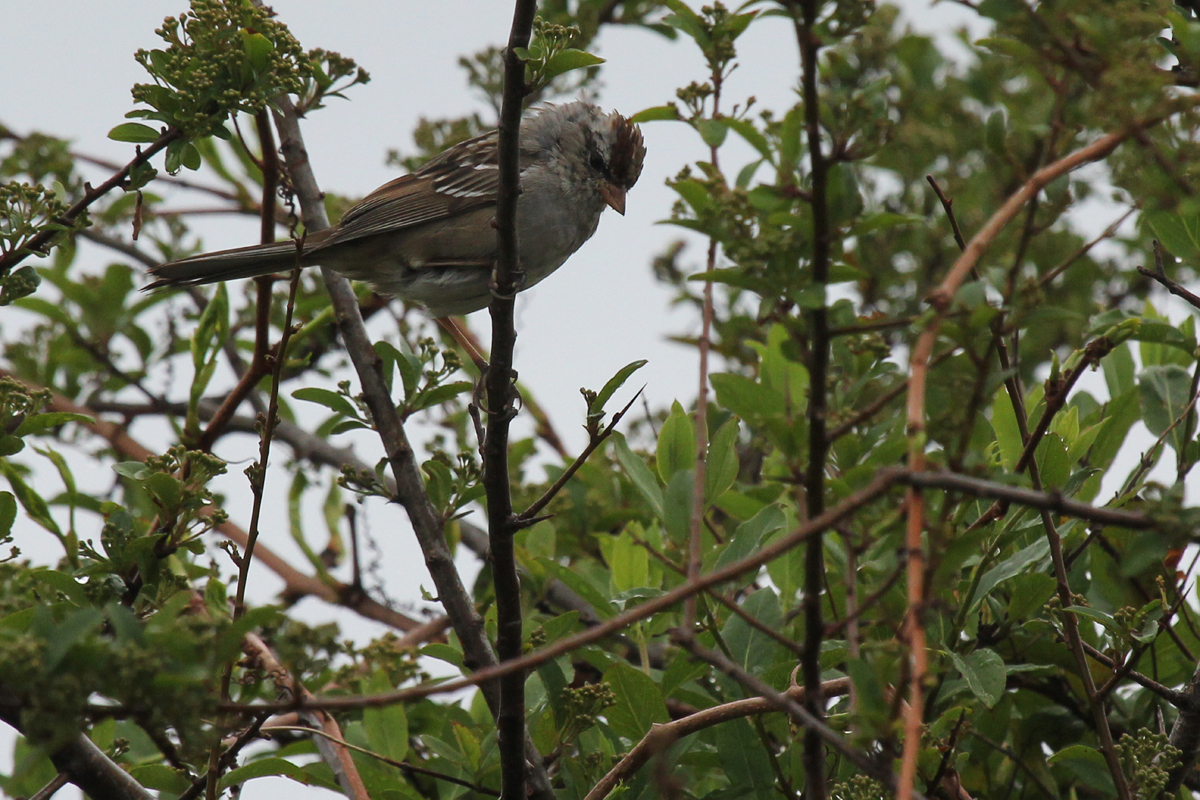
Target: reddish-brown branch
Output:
[
  {"x": 332, "y": 750},
  {"x": 662, "y": 736},
  {"x": 941, "y": 299}
]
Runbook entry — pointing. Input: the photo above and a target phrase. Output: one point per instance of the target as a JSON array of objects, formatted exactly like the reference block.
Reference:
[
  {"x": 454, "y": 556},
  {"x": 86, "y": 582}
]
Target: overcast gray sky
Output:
[{"x": 70, "y": 66}]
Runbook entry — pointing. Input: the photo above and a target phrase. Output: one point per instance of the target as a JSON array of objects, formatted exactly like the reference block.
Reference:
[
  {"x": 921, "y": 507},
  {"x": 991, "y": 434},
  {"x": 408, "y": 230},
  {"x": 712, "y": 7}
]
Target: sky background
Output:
[{"x": 70, "y": 67}]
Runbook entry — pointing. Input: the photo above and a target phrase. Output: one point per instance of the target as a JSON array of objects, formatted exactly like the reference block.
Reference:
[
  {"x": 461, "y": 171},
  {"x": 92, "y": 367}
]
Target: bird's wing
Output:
[{"x": 460, "y": 179}]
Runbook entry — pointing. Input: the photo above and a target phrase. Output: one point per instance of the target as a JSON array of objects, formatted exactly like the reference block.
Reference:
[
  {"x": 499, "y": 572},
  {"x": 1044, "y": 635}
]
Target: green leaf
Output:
[
  {"x": 1165, "y": 392},
  {"x": 444, "y": 652},
  {"x": 164, "y": 779},
  {"x": 677, "y": 504},
  {"x": 744, "y": 760},
  {"x": 688, "y": 21},
  {"x": 440, "y": 394},
  {"x": 329, "y": 399},
  {"x": 261, "y": 768},
  {"x": 655, "y": 114},
  {"x": 134, "y": 132},
  {"x": 1096, "y": 615},
  {"x": 166, "y": 488},
  {"x": 985, "y": 674},
  {"x": 134, "y": 470},
  {"x": 1004, "y": 423},
  {"x": 1015, "y": 564},
  {"x": 676, "y": 444},
  {"x": 189, "y": 156},
  {"x": 387, "y": 726},
  {"x": 752, "y": 649},
  {"x": 694, "y": 193},
  {"x": 1120, "y": 414},
  {"x": 258, "y": 49},
  {"x": 8, "y": 512},
  {"x": 1029, "y": 594},
  {"x": 468, "y": 743},
  {"x": 712, "y": 131},
  {"x": 721, "y": 469},
  {"x": 580, "y": 585},
  {"x": 753, "y": 137},
  {"x": 1179, "y": 235},
  {"x": 1053, "y": 461},
  {"x": 1119, "y": 370},
  {"x": 748, "y": 399},
  {"x": 630, "y": 564},
  {"x": 640, "y": 474},
  {"x": 51, "y": 419},
  {"x": 1089, "y": 766},
  {"x": 567, "y": 60},
  {"x": 639, "y": 702},
  {"x": 767, "y": 198},
  {"x": 72, "y": 628},
  {"x": 871, "y": 698},
  {"x": 30, "y": 500},
  {"x": 789, "y": 140},
  {"x": 746, "y": 538},
  {"x": 614, "y": 383},
  {"x": 62, "y": 582}
]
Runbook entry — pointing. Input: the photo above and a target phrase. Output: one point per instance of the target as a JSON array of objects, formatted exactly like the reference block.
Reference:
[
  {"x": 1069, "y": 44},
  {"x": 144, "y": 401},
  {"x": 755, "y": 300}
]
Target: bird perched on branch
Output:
[{"x": 427, "y": 237}]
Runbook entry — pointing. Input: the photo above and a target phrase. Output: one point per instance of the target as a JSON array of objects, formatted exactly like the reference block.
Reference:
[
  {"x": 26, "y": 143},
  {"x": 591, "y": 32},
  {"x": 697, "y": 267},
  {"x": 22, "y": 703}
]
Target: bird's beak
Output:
[{"x": 614, "y": 196}]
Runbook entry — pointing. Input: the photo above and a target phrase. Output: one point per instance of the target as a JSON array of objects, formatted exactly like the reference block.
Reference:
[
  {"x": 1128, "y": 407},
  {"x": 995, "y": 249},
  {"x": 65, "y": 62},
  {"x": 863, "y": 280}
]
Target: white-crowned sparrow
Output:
[{"x": 427, "y": 237}]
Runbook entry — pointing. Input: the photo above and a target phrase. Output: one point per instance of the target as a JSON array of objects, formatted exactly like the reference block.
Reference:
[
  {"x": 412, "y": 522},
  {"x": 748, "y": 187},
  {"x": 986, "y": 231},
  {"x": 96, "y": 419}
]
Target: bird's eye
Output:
[{"x": 597, "y": 162}]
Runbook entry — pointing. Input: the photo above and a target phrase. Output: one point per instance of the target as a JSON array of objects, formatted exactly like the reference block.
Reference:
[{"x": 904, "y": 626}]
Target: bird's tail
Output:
[{"x": 226, "y": 265}]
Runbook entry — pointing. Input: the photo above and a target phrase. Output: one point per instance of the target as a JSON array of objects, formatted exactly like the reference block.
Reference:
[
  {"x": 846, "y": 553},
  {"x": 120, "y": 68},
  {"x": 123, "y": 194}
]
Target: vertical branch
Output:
[
  {"x": 257, "y": 473},
  {"x": 259, "y": 364},
  {"x": 507, "y": 279},
  {"x": 941, "y": 299},
  {"x": 427, "y": 525},
  {"x": 818, "y": 367},
  {"x": 704, "y": 344}
]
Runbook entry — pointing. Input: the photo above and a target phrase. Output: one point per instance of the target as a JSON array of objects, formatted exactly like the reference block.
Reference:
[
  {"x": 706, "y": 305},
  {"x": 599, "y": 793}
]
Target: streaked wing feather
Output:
[{"x": 464, "y": 177}]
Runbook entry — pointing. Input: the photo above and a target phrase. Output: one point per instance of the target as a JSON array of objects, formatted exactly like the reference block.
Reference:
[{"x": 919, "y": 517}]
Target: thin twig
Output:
[
  {"x": 798, "y": 713},
  {"x": 332, "y": 747},
  {"x": 1048, "y": 501},
  {"x": 1082, "y": 251},
  {"x": 883, "y": 480},
  {"x": 90, "y": 195},
  {"x": 408, "y": 768},
  {"x": 703, "y": 346},
  {"x": 1159, "y": 274},
  {"x": 579, "y": 461},
  {"x": 662, "y": 735}
]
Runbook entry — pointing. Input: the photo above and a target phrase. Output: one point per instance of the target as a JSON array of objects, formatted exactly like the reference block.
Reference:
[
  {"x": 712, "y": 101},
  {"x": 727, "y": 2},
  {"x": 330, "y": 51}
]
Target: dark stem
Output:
[
  {"x": 501, "y": 398},
  {"x": 1160, "y": 275},
  {"x": 818, "y": 441}
]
